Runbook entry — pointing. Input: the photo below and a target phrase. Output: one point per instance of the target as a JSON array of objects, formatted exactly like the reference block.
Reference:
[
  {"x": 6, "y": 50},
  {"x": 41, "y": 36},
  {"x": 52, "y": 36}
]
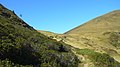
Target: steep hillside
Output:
[
  {"x": 109, "y": 22},
  {"x": 101, "y": 35},
  {"x": 22, "y": 46}
]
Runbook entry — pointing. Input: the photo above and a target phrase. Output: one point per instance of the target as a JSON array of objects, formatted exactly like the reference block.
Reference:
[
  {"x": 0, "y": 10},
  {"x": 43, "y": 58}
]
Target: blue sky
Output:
[{"x": 59, "y": 16}]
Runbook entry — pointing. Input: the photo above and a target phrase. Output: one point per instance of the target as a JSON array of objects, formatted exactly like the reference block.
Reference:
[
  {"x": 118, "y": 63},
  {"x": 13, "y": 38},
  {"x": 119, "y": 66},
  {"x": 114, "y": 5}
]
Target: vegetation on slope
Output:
[
  {"x": 115, "y": 39},
  {"x": 100, "y": 60},
  {"x": 22, "y": 46}
]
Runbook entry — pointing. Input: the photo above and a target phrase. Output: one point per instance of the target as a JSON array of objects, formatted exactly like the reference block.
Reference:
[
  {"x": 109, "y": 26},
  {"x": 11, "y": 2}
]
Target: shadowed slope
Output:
[{"x": 22, "y": 46}]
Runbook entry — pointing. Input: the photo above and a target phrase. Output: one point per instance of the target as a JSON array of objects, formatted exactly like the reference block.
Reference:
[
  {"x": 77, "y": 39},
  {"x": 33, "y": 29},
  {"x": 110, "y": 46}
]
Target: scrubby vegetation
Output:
[
  {"x": 22, "y": 46},
  {"x": 115, "y": 39},
  {"x": 100, "y": 60}
]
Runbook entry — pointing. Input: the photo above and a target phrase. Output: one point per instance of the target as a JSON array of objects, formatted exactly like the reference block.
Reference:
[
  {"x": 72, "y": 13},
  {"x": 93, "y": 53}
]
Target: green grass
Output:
[{"x": 100, "y": 60}]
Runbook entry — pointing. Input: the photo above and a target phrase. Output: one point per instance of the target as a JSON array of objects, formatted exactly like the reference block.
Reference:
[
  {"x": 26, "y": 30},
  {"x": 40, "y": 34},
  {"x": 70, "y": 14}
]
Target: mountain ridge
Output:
[{"x": 93, "y": 21}]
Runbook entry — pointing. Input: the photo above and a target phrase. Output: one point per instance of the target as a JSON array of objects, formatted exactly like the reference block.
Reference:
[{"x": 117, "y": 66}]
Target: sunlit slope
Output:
[
  {"x": 101, "y": 34},
  {"x": 106, "y": 23}
]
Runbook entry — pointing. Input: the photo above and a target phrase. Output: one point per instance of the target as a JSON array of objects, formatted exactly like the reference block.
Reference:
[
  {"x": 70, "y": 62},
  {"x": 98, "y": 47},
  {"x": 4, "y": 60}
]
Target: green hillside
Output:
[{"x": 22, "y": 46}]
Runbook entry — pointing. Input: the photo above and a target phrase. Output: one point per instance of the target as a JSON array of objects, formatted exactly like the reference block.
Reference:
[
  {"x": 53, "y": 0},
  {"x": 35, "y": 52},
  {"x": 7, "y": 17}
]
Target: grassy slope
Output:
[
  {"x": 23, "y": 46},
  {"x": 89, "y": 57},
  {"x": 95, "y": 59},
  {"x": 105, "y": 23},
  {"x": 100, "y": 34},
  {"x": 97, "y": 34}
]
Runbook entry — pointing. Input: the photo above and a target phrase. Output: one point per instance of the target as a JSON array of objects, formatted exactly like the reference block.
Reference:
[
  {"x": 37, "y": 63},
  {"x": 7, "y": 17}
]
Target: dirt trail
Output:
[{"x": 86, "y": 65}]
